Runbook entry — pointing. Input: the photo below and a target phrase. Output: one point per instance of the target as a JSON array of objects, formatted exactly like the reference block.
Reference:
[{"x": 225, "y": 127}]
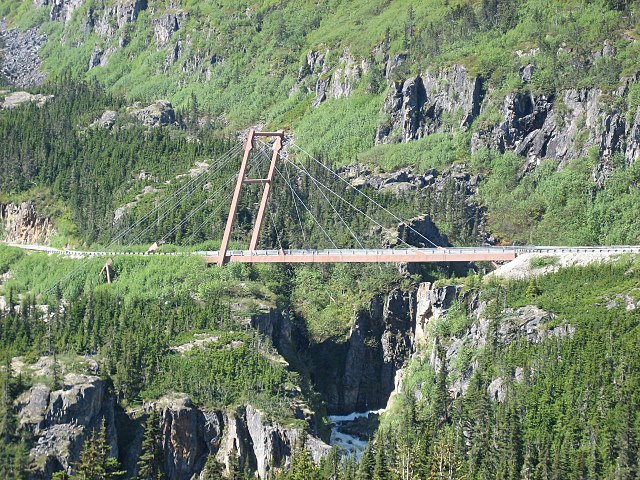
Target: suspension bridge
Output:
[{"x": 266, "y": 164}]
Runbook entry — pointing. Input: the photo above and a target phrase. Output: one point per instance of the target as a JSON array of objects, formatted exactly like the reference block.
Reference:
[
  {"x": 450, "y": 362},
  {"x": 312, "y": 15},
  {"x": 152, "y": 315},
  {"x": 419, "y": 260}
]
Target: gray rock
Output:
[
  {"x": 419, "y": 232},
  {"x": 526, "y": 72},
  {"x": 22, "y": 224},
  {"x": 96, "y": 57},
  {"x": 60, "y": 420},
  {"x": 16, "y": 99},
  {"x": 117, "y": 15},
  {"x": 632, "y": 151},
  {"x": 497, "y": 390},
  {"x": 107, "y": 120},
  {"x": 159, "y": 113},
  {"x": 20, "y": 63},
  {"x": 364, "y": 367},
  {"x": 62, "y": 10},
  {"x": 329, "y": 81},
  {"x": 417, "y": 107},
  {"x": 166, "y": 25}
]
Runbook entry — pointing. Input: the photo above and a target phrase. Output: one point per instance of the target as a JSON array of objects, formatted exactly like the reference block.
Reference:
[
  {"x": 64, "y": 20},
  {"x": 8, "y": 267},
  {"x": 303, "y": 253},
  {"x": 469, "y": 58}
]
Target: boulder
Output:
[{"x": 159, "y": 113}]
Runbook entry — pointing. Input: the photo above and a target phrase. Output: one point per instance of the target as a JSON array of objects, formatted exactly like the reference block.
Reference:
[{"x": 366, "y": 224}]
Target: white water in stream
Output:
[{"x": 352, "y": 444}]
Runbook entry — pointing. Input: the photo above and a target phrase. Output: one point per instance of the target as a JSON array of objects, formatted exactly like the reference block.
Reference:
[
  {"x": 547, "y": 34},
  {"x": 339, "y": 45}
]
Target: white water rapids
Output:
[{"x": 353, "y": 445}]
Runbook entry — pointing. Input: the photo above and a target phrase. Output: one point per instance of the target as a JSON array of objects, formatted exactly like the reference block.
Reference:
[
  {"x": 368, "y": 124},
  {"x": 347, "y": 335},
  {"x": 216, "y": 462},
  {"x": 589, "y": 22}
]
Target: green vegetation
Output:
[
  {"x": 544, "y": 261},
  {"x": 569, "y": 405},
  {"x": 574, "y": 411},
  {"x": 553, "y": 206}
]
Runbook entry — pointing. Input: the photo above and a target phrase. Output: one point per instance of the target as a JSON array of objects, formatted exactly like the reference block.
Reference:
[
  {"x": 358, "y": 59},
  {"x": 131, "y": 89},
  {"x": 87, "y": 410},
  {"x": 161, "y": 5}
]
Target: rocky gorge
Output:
[{"x": 358, "y": 374}]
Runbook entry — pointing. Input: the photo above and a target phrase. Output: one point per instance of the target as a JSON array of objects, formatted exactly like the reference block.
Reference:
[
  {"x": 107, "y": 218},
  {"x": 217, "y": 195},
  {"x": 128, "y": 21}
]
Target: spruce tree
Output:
[
  {"x": 96, "y": 462},
  {"x": 151, "y": 460},
  {"x": 367, "y": 462}
]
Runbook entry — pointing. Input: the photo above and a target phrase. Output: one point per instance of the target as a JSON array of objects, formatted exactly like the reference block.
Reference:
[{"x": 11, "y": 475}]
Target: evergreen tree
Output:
[
  {"x": 367, "y": 463},
  {"x": 235, "y": 471},
  {"x": 96, "y": 462},
  {"x": 380, "y": 467},
  {"x": 212, "y": 470},
  {"x": 302, "y": 466},
  {"x": 150, "y": 464}
]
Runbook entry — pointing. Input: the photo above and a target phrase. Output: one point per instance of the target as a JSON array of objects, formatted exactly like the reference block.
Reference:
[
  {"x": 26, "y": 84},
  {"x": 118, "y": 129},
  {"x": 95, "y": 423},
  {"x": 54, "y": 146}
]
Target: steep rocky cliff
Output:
[
  {"x": 448, "y": 100},
  {"x": 359, "y": 374},
  {"x": 20, "y": 223},
  {"x": 560, "y": 126},
  {"x": 528, "y": 323},
  {"x": 61, "y": 419}
]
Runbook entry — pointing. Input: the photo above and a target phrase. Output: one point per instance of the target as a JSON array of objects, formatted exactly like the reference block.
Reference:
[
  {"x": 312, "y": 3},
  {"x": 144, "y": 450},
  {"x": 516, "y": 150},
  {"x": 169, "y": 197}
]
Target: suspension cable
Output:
[
  {"x": 306, "y": 208},
  {"x": 191, "y": 183},
  {"x": 318, "y": 183},
  {"x": 364, "y": 194}
]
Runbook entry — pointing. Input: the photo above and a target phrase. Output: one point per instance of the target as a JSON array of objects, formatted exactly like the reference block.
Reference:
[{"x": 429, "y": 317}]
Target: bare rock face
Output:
[
  {"x": 22, "y": 224},
  {"x": 62, "y": 10},
  {"x": 420, "y": 232},
  {"x": 431, "y": 305},
  {"x": 529, "y": 323},
  {"x": 564, "y": 127},
  {"x": 60, "y": 420},
  {"x": 188, "y": 435},
  {"x": 329, "y": 81},
  {"x": 363, "y": 369},
  {"x": 16, "y": 99},
  {"x": 417, "y": 106},
  {"x": 116, "y": 16},
  {"x": 267, "y": 446},
  {"x": 107, "y": 120},
  {"x": 191, "y": 434},
  {"x": 20, "y": 63},
  {"x": 159, "y": 113},
  {"x": 166, "y": 25}
]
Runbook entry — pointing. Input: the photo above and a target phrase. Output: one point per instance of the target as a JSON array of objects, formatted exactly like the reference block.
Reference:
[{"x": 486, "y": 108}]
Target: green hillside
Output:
[{"x": 482, "y": 122}]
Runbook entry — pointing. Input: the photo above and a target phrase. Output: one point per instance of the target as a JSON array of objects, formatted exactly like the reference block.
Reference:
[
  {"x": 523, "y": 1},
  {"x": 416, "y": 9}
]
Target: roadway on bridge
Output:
[{"x": 382, "y": 255}]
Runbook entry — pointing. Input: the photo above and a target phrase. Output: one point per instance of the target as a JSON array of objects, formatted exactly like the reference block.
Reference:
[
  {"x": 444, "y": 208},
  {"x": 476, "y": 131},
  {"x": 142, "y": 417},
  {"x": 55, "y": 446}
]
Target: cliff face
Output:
[
  {"x": 22, "y": 224},
  {"x": 562, "y": 126},
  {"x": 527, "y": 323},
  {"x": 61, "y": 420},
  {"x": 359, "y": 374}
]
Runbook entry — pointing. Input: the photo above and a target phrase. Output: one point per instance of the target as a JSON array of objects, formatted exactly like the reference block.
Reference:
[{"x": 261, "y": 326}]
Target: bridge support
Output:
[
  {"x": 242, "y": 180},
  {"x": 107, "y": 269}
]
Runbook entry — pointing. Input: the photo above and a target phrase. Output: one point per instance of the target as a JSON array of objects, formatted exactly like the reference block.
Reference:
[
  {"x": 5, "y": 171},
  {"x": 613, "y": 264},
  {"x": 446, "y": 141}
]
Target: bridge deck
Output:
[
  {"x": 383, "y": 255},
  {"x": 418, "y": 255}
]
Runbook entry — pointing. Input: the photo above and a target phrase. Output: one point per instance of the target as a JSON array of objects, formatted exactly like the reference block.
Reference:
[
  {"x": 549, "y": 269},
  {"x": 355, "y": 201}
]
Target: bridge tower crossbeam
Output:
[{"x": 241, "y": 181}]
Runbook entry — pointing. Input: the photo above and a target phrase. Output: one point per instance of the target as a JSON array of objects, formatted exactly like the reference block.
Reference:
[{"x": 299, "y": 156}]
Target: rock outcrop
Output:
[
  {"x": 359, "y": 374},
  {"x": 62, "y": 10},
  {"x": 21, "y": 224},
  {"x": 528, "y": 323},
  {"x": 419, "y": 232},
  {"x": 107, "y": 120},
  {"x": 16, "y": 99},
  {"x": 166, "y": 25},
  {"x": 560, "y": 126},
  {"x": 60, "y": 420},
  {"x": 116, "y": 16},
  {"x": 451, "y": 186},
  {"x": 418, "y": 106},
  {"x": 159, "y": 113},
  {"x": 20, "y": 62},
  {"x": 329, "y": 79}
]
